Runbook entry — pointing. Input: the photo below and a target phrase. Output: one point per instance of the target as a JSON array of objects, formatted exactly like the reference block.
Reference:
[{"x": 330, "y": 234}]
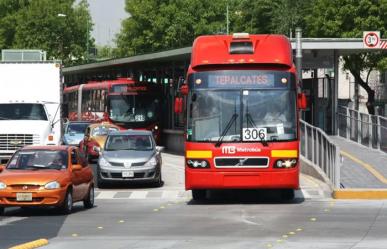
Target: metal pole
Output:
[
  {"x": 299, "y": 55},
  {"x": 87, "y": 39},
  {"x": 227, "y": 20}
]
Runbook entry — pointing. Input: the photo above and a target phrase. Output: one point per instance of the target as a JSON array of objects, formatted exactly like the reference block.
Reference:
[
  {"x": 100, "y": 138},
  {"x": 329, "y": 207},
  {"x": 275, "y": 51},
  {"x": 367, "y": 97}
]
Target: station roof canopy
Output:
[{"x": 317, "y": 53}]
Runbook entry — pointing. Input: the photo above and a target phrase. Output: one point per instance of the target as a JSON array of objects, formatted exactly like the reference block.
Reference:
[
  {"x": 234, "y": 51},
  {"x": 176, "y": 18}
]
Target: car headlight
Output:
[
  {"x": 3, "y": 185},
  {"x": 52, "y": 185},
  {"x": 103, "y": 162},
  {"x": 152, "y": 162}
]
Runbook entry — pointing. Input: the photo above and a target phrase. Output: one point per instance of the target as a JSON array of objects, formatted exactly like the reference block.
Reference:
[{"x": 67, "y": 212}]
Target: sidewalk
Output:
[{"x": 362, "y": 167}]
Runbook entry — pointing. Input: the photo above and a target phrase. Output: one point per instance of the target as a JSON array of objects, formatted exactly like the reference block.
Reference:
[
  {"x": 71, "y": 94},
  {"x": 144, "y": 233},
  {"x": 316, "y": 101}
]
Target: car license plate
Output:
[
  {"x": 23, "y": 196},
  {"x": 127, "y": 173}
]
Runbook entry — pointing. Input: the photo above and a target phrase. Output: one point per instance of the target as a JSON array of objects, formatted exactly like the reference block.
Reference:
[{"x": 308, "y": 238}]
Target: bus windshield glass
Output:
[
  {"x": 22, "y": 112},
  {"x": 133, "y": 108},
  {"x": 242, "y": 114}
]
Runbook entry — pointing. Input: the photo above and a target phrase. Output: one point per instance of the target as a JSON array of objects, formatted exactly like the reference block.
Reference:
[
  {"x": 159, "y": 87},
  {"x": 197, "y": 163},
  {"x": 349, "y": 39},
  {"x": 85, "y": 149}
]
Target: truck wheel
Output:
[
  {"x": 199, "y": 194},
  {"x": 287, "y": 194},
  {"x": 67, "y": 205},
  {"x": 88, "y": 202}
]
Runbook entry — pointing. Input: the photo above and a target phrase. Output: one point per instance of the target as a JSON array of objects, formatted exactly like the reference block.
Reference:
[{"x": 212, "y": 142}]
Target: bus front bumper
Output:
[{"x": 279, "y": 179}]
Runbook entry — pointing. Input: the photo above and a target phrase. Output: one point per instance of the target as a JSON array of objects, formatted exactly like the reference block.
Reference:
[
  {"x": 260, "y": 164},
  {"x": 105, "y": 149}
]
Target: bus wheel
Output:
[
  {"x": 199, "y": 194},
  {"x": 287, "y": 194}
]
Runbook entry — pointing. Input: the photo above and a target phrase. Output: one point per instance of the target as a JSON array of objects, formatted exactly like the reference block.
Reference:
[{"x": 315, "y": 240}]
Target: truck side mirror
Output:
[
  {"x": 301, "y": 101},
  {"x": 178, "y": 105}
]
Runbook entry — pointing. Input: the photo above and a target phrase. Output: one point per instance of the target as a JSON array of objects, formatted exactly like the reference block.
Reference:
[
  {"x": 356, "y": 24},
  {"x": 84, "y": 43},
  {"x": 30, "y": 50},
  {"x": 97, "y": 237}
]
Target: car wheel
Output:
[
  {"x": 88, "y": 202},
  {"x": 159, "y": 181},
  {"x": 2, "y": 210},
  {"x": 199, "y": 194},
  {"x": 67, "y": 205},
  {"x": 287, "y": 194}
]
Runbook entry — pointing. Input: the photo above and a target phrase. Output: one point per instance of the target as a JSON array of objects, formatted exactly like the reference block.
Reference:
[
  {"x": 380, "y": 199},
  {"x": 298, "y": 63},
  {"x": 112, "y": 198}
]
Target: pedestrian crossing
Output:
[{"x": 181, "y": 194}]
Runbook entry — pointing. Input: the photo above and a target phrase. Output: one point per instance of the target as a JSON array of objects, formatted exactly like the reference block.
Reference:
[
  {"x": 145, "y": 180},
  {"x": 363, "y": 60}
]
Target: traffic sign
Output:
[{"x": 371, "y": 39}]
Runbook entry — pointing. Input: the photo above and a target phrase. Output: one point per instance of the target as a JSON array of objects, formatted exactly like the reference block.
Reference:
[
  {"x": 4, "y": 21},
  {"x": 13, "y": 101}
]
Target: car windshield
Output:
[
  {"x": 76, "y": 128},
  {"x": 38, "y": 159},
  {"x": 256, "y": 115},
  {"x": 133, "y": 108},
  {"x": 22, "y": 112},
  {"x": 129, "y": 142},
  {"x": 102, "y": 130}
]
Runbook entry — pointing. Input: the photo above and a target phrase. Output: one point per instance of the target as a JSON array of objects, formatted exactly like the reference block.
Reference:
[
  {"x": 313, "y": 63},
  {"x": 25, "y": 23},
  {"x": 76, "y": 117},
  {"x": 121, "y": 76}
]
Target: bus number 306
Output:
[{"x": 254, "y": 134}]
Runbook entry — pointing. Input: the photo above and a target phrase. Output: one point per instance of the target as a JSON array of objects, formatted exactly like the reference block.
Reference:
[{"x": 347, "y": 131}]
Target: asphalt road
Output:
[{"x": 139, "y": 216}]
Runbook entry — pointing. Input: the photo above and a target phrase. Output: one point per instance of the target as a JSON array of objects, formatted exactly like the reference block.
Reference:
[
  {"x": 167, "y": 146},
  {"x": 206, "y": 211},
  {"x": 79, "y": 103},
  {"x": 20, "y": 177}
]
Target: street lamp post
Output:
[{"x": 61, "y": 38}]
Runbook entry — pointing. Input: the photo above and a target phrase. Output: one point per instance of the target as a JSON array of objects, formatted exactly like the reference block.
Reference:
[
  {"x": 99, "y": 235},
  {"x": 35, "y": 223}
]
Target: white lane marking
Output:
[
  {"x": 138, "y": 195},
  {"x": 170, "y": 194},
  {"x": 106, "y": 195},
  {"x": 6, "y": 221}
]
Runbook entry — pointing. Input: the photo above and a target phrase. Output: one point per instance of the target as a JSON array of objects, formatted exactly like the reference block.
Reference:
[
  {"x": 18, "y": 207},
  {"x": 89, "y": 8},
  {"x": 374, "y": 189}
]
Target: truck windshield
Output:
[
  {"x": 133, "y": 108},
  {"x": 22, "y": 112},
  {"x": 262, "y": 115}
]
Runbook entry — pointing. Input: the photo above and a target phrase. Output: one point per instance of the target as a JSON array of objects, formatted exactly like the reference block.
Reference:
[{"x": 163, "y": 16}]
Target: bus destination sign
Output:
[{"x": 236, "y": 79}]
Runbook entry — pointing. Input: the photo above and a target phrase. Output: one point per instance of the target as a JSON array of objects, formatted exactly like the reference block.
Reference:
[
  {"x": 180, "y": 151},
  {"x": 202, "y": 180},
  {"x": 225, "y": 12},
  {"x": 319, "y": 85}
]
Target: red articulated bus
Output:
[
  {"x": 243, "y": 107},
  {"x": 123, "y": 102}
]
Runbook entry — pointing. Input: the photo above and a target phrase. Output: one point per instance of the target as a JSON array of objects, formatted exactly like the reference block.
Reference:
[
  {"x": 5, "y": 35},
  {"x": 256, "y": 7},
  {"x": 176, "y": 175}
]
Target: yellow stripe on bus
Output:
[
  {"x": 284, "y": 153},
  {"x": 199, "y": 154}
]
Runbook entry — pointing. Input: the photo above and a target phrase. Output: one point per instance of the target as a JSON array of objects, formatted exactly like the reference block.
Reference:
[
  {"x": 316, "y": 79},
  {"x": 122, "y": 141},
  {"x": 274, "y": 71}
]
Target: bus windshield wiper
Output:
[{"x": 228, "y": 126}]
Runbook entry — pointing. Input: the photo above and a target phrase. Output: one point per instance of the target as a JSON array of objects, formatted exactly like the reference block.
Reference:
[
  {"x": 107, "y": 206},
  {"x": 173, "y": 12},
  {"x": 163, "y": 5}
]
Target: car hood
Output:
[
  {"x": 33, "y": 177},
  {"x": 132, "y": 156}
]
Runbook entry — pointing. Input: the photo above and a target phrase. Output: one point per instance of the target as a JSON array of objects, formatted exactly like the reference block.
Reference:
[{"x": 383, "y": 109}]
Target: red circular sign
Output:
[{"x": 371, "y": 40}]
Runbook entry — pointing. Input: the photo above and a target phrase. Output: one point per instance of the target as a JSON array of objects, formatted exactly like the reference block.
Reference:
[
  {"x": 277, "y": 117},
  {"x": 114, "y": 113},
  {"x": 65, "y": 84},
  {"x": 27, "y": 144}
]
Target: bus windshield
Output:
[
  {"x": 133, "y": 108},
  {"x": 237, "y": 114}
]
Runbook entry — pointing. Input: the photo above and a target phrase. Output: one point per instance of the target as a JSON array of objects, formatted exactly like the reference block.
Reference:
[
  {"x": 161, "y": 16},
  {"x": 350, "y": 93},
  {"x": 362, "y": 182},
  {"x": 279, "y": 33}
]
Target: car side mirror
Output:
[
  {"x": 301, "y": 101},
  {"x": 159, "y": 148},
  {"x": 2, "y": 167},
  {"x": 76, "y": 167},
  {"x": 97, "y": 149}
]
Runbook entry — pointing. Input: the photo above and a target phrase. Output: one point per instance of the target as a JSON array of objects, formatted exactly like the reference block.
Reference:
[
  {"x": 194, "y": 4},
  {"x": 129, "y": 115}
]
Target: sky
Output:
[{"x": 107, "y": 16}]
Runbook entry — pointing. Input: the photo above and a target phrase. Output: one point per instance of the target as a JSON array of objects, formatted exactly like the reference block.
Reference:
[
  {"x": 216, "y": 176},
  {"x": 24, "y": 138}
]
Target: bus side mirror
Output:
[
  {"x": 301, "y": 101},
  {"x": 178, "y": 105}
]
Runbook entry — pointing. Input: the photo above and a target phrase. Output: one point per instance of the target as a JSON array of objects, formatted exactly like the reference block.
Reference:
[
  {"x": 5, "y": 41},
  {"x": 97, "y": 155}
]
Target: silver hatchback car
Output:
[{"x": 130, "y": 156}]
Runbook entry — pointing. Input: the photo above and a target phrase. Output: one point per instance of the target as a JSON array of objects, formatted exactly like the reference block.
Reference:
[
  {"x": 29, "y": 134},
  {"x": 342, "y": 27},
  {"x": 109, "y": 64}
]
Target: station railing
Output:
[
  {"x": 319, "y": 150},
  {"x": 368, "y": 130}
]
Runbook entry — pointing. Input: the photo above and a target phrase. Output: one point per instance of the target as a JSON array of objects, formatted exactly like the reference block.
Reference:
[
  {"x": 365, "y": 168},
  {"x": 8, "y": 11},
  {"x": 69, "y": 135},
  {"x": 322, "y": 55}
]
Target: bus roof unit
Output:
[{"x": 241, "y": 48}]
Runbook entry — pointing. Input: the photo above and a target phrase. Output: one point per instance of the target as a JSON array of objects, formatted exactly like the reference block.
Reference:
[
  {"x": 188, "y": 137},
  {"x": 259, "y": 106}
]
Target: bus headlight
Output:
[
  {"x": 285, "y": 163},
  {"x": 198, "y": 164}
]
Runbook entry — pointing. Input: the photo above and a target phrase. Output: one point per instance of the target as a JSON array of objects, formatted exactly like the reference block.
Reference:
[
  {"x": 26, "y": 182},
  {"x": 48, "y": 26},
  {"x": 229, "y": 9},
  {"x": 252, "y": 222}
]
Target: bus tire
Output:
[
  {"x": 199, "y": 194},
  {"x": 287, "y": 194}
]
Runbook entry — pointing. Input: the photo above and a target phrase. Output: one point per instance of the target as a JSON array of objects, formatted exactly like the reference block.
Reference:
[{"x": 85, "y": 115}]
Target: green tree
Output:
[
  {"x": 349, "y": 18},
  {"x": 8, "y": 19},
  {"x": 156, "y": 25},
  {"x": 60, "y": 27}
]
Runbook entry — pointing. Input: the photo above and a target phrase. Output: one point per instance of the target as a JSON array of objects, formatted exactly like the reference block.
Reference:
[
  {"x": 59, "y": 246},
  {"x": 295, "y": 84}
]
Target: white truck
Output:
[{"x": 30, "y": 105}]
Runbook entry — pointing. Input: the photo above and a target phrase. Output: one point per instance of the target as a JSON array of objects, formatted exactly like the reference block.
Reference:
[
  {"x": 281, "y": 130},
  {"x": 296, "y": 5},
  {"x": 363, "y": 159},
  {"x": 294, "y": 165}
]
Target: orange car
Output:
[
  {"x": 95, "y": 137},
  {"x": 46, "y": 176}
]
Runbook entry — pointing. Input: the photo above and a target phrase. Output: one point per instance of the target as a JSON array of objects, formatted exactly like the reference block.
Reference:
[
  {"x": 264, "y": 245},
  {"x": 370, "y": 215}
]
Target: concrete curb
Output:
[
  {"x": 32, "y": 244},
  {"x": 356, "y": 193}
]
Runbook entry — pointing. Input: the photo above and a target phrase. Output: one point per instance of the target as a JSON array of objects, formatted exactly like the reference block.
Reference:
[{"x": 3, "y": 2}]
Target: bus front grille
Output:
[{"x": 241, "y": 162}]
